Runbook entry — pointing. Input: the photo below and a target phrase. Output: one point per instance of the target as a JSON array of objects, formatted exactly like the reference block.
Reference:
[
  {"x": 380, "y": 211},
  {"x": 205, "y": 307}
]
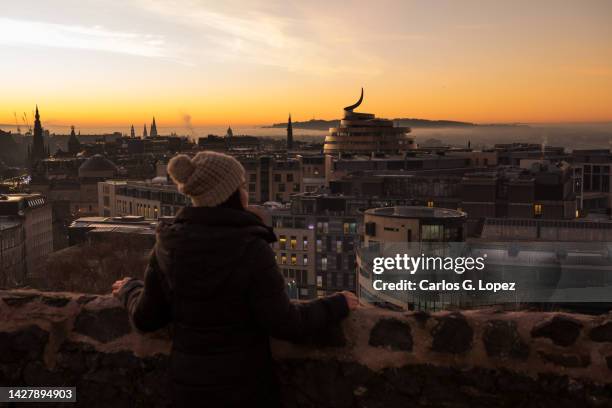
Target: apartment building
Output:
[
  {"x": 27, "y": 235},
  {"x": 149, "y": 199}
]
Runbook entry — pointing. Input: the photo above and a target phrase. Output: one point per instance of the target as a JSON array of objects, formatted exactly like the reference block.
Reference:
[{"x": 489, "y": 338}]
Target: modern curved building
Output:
[
  {"x": 364, "y": 133},
  {"x": 414, "y": 230},
  {"x": 414, "y": 224}
]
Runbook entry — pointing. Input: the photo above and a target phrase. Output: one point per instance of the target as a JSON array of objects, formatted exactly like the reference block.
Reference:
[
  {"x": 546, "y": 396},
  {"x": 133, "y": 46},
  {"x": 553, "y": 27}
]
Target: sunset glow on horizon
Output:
[{"x": 116, "y": 63}]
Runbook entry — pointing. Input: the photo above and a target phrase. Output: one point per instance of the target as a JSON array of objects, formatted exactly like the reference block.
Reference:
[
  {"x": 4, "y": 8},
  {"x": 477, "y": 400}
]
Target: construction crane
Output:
[
  {"x": 17, "y": 123},
  {"x": 27, "y": 123}
]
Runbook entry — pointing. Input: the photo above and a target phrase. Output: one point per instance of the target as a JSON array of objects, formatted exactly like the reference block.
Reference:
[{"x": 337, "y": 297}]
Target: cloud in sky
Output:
[
  {"x": 15, "y": 32},
  {"x": 196, "y": 33},
  {"x": 468, "y": 60},
  {"x": 255, "y": 35}
]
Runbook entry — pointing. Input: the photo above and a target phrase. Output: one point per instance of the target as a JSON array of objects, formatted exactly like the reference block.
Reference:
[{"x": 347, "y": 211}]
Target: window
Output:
[
  {"x": 253, "y": 177},
  {"x": 305, "y": 260},
  {"x": 324, "y": 263},
  {"x": 370, "y": 229},
  {"x": 346, "y": 227},
  {"x": 537, "y": 210},
  {"x": 319, "y": 245},
  {"x": 293, "y": 259},
  {"x": 338, "y": 246},
  {"x": 277, "y": 178},
  {"x": 305, "y": 244},
  {"x": 430, "y": 204},
  {"x": 296, "y": 187},
  {"x": 283, "y": 259},
  {"x": 289, "y": 177},
  {"x": 281, "y": 188},
  {"x": 282, "y": 242},
  {"x": 293, "y": 243},
  {"x": 432, "y": 233}
]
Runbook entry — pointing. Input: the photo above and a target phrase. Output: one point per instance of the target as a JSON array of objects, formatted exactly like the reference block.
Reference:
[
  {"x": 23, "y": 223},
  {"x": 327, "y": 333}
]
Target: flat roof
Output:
[{"x": 416, "y": 212}]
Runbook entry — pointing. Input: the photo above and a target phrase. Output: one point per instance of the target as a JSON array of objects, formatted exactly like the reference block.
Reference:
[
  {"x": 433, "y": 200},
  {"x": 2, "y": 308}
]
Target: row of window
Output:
[
  {"x": 282, "y": 242},
  {"x": 300, "y": 277},
  {"x": 292, "y": 259},
  {"x": 281, "y": 187}
]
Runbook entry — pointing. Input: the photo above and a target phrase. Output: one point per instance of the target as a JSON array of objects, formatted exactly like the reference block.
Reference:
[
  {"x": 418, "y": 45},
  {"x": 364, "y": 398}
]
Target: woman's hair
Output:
[{"x": 233, "y": 201}]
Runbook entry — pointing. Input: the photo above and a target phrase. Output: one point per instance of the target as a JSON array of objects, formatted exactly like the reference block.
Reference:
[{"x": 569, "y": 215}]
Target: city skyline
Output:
[{"x": 120, "y": 63}]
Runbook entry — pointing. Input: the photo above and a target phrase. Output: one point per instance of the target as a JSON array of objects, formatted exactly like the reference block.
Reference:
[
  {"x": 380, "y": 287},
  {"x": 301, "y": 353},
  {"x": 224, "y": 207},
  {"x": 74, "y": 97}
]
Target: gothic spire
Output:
[
  {"x": 153, "y": 132},
  {"x": 289, "y": 133}
]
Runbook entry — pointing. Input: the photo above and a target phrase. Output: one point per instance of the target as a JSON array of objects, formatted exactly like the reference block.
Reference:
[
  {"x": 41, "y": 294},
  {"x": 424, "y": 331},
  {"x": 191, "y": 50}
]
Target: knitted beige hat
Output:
[{"x": 210, "y": 177}]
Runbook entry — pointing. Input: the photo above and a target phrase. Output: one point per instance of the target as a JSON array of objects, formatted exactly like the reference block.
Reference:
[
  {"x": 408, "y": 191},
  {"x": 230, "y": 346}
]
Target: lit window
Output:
[
  {"x": 305, "y": 245},
  {"x": 283, "y": 259},
  {"x": 338, "y": 246},
  {"x": 282, "y": 241},
  {"x": 537, "y": 210},
  {"x": 319, "y": 245},
  {"x": 346, "y": 227},
  {"x": 293, "y": 259},
  {"x": 305, "y": 260},
  {"x": 293, "y": 243},
  {"x": 430, "y": 204},
  {"x": 324, "y": 263}
]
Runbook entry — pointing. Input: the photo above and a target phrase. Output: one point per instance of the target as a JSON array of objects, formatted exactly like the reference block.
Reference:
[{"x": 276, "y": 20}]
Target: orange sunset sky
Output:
[{"x": 117, "y": 62}]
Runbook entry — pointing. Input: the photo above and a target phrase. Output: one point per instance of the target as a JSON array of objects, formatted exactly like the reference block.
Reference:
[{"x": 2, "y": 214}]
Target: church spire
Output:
[
  {"x": 39, "y": 151},
  {"x": 74, "y": 145},
  {"x": 289, "y": 133},
  {"x": 132, "y": 132},
  {"x": 144, "y": 132},
  {"x": 153, "y": 132}
]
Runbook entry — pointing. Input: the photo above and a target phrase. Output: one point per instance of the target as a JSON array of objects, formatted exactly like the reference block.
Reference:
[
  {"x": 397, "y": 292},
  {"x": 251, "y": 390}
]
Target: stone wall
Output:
[{"x": 380, "y": 358}]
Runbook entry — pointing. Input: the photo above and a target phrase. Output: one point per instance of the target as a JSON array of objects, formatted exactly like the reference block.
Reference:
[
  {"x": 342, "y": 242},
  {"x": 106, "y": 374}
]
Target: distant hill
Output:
[{"x": 319, "y": 124}]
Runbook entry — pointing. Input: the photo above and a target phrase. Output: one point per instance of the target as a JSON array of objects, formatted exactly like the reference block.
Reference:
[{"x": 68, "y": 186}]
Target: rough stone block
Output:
[
  {"x": 392, "y": 333},
  {"x": 103, "y": 325},
  {"x": 18, "y": 299},
  {"x": 501, "y": 339},
  {"x": 562, "y": 330},
  {"x": 55, "y": 301},
  {"x": 25, "y": 344},
  {"x": 452, "y": 334},
  {"x": 566, "y": 360},
  {"x": 602, "y": 333}
]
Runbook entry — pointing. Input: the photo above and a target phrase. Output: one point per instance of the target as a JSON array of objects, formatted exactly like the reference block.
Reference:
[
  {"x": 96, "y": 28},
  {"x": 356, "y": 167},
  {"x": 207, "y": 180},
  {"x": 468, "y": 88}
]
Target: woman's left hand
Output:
[{"x": 118, "y": 285}]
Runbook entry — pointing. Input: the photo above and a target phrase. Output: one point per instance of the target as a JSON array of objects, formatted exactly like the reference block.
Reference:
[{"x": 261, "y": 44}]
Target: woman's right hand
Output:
[{"x": 352, "y": 301}]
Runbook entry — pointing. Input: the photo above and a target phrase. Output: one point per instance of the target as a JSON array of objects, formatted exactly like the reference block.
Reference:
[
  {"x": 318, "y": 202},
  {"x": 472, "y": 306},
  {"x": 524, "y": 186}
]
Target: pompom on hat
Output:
[{"x": 210, "y": 178}]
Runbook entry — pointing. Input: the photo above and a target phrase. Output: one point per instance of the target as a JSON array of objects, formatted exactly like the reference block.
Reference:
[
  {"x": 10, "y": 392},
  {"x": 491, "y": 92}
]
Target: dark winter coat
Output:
[{"x": 213, "y": 275}]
